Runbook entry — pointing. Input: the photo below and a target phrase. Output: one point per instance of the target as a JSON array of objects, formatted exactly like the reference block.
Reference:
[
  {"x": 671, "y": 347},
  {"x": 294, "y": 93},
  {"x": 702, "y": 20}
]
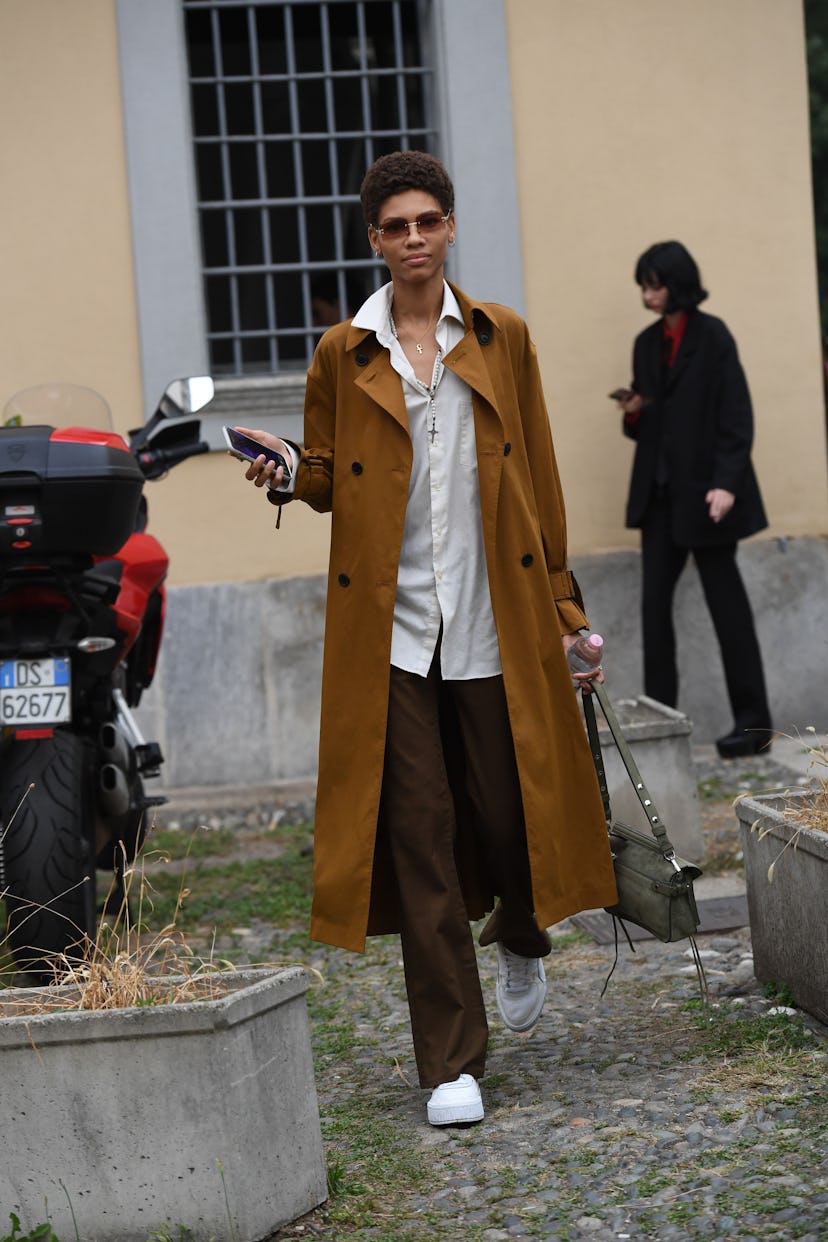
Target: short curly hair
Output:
[{"x": 400, "y": 171}]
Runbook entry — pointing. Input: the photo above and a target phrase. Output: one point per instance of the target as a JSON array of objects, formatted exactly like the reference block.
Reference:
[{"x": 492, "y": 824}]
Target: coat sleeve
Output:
[
  {"x": 734, "y": 418},
  {"x": 314, "y": 471},
  {"x": 546, "y": 485}
]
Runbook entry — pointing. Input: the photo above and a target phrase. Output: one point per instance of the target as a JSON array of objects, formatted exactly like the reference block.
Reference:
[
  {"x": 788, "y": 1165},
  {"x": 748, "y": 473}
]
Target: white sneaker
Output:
[
  {"x": 455, "y": 1102},
  {"x": 521, "y": 988}
]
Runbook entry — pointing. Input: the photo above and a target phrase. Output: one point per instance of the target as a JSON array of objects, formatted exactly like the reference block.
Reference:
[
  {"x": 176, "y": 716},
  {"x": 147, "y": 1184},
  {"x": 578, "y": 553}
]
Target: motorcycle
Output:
[{"x": 81, "y": 619}]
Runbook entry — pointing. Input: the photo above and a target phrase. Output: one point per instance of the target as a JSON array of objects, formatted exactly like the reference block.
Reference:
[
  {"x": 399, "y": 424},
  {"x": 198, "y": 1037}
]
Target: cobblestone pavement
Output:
[
  {"x": 616, "y": 1117},
  {"x": 632, "y": 1115}
]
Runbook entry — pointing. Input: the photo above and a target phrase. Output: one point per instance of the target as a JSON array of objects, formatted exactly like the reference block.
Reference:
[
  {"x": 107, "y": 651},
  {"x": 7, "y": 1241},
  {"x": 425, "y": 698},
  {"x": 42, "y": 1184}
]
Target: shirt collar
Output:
[{"x": 375, "y": 313}]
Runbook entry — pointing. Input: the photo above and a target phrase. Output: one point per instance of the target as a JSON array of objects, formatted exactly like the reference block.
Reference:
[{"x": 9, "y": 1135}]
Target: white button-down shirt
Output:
[{"x": 442, "y": 576}]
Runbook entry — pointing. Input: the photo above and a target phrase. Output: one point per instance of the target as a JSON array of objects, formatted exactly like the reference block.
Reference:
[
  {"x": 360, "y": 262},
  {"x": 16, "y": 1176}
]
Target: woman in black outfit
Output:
[{"x": 693, "y": 488}]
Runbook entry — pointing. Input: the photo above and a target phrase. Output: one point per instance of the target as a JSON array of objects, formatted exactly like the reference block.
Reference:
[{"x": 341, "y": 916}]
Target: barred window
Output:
[{"x": 291, "y": 101}]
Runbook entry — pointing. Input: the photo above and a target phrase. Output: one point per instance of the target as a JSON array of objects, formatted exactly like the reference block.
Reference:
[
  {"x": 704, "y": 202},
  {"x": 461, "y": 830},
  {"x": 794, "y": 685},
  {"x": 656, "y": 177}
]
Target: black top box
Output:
[{"x": 61, "y": 495}]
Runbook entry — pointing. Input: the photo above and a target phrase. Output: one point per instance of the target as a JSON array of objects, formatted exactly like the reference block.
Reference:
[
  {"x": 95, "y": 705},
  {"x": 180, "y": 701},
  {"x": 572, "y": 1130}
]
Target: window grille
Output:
[{"x": 290, "y": 103}]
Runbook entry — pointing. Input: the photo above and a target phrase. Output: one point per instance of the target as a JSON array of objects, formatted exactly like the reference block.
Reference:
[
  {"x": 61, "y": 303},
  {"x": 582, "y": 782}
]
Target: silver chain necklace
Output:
[{"x": 431, "y": 392}]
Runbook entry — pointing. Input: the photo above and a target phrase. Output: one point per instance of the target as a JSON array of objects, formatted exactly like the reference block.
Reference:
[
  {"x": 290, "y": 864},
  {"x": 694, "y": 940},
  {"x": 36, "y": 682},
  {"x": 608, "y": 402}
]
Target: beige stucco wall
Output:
[
  {"x": 640, "y": 122},
  {"x": 68, "y": 307},
  {"x": 633, "y": 123},
  {"x": 68, "y": 311}
]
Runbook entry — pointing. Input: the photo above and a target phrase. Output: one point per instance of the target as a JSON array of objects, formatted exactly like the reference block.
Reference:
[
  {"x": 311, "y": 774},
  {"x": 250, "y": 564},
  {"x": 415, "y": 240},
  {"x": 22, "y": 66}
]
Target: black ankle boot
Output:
[{"x": 742, "y": 742}]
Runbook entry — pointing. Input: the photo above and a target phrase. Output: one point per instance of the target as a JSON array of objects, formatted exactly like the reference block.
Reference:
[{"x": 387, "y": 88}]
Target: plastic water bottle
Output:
[{"x": 586, "y": 653}]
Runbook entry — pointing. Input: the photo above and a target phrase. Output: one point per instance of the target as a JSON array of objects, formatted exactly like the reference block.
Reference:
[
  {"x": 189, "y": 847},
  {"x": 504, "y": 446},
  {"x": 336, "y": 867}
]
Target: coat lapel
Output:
[
  {"x": 467, "y": 359},
  {"x": 689, "y": 345},
  {"x": 650, "y": 381},
  {"x": 469, "y": 362},
  {"x": 375, "y": 375}
]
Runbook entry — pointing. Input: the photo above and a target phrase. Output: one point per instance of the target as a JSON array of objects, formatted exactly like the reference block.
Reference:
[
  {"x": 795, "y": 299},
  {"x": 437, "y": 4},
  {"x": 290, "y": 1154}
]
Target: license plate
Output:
[{"x": 35, "y": 692}]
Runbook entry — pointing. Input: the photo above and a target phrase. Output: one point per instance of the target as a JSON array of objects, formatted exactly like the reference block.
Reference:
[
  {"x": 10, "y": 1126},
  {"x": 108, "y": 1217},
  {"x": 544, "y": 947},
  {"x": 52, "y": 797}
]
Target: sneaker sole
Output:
[
  {"x": 458, "y": 1115},
  {"x": 524, "y": 1026}
]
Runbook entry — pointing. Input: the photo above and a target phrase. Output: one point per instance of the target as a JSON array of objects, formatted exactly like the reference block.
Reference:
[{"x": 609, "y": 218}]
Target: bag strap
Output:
[
  {"x": 653, "y": 818},
  {"x": 597, "y": 756}
]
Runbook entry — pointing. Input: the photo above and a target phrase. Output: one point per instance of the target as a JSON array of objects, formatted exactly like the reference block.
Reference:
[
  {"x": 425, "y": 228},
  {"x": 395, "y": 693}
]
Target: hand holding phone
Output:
[
  {"x": 621, "y": 394},
  {"x": 247, "y": 449}
]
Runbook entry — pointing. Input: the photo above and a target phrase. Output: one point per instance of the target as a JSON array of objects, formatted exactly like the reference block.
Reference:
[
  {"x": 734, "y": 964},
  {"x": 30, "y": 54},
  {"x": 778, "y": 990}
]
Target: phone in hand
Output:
[
  {"x": 247, "y": 449},
  {"x": 620, "y": 394}
]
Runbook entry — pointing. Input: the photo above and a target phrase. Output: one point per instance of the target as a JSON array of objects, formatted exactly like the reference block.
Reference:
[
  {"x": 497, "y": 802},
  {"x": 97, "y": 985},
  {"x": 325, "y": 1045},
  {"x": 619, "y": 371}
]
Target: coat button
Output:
[
  {"x": 507, "y": 448},
  {"x": 362, "y": 360},
  {"x": 526, "y": 560},
  {"x": 344, "y": 580},
  {"x": 484, "y": 338},
  {"x": 356, "y": 467}
]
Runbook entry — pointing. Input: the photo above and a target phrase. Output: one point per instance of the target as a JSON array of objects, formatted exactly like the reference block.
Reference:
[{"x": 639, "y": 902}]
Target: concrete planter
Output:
[
  {"x": 201, "y": 1115},
  {"x": 788, "y": 914},
  {"x": 659, "y": 739}
]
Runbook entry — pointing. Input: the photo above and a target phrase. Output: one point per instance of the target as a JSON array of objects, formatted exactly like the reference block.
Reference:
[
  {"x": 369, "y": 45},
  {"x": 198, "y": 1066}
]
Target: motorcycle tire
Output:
[
  {"x": 48, "y": 849},
  {"x": 120, "y": 852}
]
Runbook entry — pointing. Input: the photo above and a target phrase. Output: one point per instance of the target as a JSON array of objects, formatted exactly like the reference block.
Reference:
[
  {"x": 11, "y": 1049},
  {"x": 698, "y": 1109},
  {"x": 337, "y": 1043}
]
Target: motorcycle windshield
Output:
[{"x": 58, "y": 405}]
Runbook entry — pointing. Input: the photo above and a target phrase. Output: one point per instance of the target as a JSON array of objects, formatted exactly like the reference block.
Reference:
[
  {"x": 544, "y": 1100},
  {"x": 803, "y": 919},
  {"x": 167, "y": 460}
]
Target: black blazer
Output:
[{"x": 699, "y": 412}]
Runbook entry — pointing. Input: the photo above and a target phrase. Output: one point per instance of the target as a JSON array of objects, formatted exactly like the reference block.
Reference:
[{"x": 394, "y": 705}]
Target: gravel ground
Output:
[
  {"x": 615, "y": 1117},
  {"x": 637, "y": 1114}
]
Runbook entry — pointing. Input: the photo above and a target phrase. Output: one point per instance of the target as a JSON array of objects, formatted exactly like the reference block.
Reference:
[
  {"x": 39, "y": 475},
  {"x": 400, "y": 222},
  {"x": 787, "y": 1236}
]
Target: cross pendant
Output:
[
  {"x": 432, "y": 432},
  {"x": 419, "y": 349}
]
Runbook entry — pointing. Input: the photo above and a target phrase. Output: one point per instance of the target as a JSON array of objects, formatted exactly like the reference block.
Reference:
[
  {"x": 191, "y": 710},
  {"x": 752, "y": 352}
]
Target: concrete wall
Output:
[
  {"x": 236, "y": 699},
  {"x": 785, "y": 580}
]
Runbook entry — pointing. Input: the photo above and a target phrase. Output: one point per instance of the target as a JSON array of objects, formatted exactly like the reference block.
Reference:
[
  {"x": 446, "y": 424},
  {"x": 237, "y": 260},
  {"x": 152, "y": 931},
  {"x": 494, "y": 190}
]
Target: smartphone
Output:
[
  {"x": 247, "y": 449},
  {"x": 620, "y": 394}
]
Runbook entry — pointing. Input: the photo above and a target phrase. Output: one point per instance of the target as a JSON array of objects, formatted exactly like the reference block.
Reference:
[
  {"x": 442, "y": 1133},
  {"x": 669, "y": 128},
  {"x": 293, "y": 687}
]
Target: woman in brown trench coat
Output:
[{"x": 453, "y": 762}]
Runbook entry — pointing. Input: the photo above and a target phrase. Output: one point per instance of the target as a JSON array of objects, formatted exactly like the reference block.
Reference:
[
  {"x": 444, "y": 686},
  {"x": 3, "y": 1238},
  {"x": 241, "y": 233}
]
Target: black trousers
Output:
[
  {"x": 448, "y": 1014},
  {"x": 730, "y": 611}
]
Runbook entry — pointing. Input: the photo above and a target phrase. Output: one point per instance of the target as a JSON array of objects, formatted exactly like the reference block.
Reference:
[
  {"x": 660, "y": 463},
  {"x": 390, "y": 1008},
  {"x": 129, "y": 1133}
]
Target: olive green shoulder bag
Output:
[{"x": 655, "y": 886}]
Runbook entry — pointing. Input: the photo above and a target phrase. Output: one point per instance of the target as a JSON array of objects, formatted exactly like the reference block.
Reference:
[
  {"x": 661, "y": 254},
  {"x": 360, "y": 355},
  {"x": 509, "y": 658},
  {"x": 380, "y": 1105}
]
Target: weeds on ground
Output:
[
  {"x": 723, "y": 1033},
  {"x": 41, "y": 1233},
  {"x": 272, "y": 890},
  {"x": 714, "y": 788}
]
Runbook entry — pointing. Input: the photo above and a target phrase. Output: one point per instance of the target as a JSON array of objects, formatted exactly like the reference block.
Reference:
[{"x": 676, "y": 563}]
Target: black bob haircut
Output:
[{"x": 671, "y": 264}]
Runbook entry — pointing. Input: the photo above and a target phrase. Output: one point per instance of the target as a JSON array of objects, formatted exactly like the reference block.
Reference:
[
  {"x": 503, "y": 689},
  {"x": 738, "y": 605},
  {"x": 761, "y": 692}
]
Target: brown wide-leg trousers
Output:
[{"x": 448, "y": 1015}]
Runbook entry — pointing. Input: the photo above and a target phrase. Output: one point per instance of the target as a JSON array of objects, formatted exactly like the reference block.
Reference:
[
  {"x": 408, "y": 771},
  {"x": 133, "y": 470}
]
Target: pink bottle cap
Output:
[{"x": 595, "y": 640}]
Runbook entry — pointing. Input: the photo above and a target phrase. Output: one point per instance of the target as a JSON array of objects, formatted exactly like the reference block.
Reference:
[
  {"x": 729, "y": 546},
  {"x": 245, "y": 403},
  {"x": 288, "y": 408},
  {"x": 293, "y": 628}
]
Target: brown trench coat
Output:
[{"x": 356, "y": 463}]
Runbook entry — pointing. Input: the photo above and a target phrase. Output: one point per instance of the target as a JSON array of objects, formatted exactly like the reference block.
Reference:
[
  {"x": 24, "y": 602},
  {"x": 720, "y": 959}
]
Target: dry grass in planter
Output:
[
  {"x": 810, "y": 810},
  {"x": 803, "y": 809},
  {"x": 124, "y": 966}
]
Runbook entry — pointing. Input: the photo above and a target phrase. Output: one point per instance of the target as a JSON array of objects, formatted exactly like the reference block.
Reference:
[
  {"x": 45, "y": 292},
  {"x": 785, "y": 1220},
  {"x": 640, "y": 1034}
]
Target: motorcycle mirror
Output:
[{"x": 191, "y": 394}]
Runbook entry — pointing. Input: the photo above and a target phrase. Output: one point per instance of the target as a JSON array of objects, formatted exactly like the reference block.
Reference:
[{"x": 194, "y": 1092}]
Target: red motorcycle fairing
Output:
[{"x": 145, "y": 567}]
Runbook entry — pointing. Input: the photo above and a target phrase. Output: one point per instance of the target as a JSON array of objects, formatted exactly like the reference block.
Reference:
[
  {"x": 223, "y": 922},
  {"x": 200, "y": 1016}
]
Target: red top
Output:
[
  {"x": 671, "y": 337},
  {"x": 670, "y": 342}
]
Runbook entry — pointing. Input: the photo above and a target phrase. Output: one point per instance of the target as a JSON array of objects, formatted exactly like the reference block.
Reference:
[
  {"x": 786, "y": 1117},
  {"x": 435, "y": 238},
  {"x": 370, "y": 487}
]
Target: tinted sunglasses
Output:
[{"x": 428, "y": 222}]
